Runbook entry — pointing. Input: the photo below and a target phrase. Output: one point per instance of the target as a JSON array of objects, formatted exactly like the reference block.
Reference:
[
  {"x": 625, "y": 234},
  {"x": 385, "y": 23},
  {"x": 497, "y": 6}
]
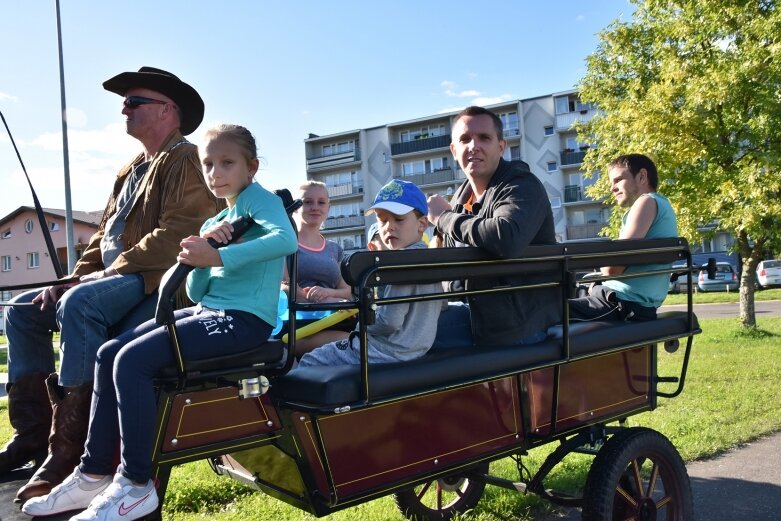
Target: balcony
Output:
[
  {"x": 331, "y": 160},
  {"x": 352, "y": 221},
  {"x": 577, "y": 194},
  {"x": 565, "y": 121},
  {"x": 584, "y": 231},
  {"x": 572, "y": 157},
  {"x": 572, "y": 194},
  {"x": 345, "y": 190},
  {"x": 511, "y": 132},
  {"x": 443, "y": 175},
  {"x": 420, "y": 145}
]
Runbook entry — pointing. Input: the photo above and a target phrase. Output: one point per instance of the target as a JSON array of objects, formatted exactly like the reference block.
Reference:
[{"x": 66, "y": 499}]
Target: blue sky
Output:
[{"x": 283, "y": 69}]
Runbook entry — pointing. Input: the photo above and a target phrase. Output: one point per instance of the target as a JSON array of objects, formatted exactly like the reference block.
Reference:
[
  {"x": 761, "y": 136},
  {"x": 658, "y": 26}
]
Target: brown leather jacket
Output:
[{"x": 171, "y": 203}]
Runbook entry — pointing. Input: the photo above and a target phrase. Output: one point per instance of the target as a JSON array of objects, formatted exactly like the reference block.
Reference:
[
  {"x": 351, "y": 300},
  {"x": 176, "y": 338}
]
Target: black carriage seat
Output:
[
  {"x": 339, "y": 385},
  {"x": 260, "y": 356}
]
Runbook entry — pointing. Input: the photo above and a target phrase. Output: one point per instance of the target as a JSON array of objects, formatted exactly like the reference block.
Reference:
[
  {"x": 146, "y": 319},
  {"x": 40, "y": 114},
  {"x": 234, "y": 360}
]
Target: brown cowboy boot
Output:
[
  {"x": 31, "y": 417},
  {"x": 70, "y": 419}
]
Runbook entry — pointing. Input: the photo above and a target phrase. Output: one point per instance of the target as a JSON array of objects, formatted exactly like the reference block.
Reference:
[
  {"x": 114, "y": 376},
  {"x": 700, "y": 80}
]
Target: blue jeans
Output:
[
  {"x": 454, "y": 329},
  {"x": 124, "y": 405},
  {"x": 86, "y": 315}
]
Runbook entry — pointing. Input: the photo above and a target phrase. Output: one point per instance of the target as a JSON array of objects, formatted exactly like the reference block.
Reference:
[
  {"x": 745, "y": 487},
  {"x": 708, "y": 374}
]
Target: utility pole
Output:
[{"x": 65, "y": 159}]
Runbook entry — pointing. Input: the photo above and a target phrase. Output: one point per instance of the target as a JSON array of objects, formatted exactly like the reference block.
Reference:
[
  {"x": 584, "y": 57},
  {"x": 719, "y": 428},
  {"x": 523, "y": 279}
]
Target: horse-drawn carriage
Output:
[{"x": 328, "y": 438}]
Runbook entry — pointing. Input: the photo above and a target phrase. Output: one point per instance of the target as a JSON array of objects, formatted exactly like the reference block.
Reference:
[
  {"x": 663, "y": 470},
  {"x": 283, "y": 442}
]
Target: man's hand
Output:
[
  {"x": 52, "y": 294},
  {"x": 199, "y": 253},
  {"x": 436, "y": 205},
  {"x": 97, "y": 275}
]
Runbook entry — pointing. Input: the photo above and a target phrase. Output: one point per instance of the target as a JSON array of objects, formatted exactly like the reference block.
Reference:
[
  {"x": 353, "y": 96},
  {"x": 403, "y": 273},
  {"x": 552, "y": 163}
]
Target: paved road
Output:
[
  {"x": 762, "y": 308},
  {"x": 743, "y": 484}
]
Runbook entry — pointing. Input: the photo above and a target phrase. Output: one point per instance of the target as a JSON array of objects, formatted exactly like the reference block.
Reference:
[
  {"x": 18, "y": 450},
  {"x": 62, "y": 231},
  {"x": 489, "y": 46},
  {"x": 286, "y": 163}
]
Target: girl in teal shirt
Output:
[{"x": 236, "y": 288}]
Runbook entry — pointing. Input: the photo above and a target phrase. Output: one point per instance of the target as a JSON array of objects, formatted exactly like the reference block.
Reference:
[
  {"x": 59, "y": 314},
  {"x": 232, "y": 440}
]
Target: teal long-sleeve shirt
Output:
[{"x": 251, "y": 274}]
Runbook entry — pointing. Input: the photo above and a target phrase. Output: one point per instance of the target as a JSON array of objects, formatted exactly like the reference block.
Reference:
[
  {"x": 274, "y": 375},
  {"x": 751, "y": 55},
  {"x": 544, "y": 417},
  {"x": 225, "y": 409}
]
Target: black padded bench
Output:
[{"x": 340, "y": 385}]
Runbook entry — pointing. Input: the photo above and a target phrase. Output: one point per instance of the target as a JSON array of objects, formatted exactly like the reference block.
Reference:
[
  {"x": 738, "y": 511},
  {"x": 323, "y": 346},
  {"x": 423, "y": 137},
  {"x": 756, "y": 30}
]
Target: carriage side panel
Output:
[
  {"x": 370, "y": 448},
  {"x": 593, "y": 389}
]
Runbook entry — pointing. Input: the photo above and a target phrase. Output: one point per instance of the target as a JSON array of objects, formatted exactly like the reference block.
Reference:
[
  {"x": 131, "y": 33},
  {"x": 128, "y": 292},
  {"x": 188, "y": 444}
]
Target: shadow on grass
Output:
[{"x": 753, "y": 333}]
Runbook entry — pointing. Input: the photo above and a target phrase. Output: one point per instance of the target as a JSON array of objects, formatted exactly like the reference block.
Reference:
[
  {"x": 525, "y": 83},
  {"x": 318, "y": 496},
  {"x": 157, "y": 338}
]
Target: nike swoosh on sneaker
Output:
[{"x": 123, "y": 511}]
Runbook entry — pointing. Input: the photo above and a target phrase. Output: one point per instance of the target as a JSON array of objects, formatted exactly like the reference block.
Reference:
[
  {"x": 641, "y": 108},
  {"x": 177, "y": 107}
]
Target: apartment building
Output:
[{"x": 355, "y": 164}]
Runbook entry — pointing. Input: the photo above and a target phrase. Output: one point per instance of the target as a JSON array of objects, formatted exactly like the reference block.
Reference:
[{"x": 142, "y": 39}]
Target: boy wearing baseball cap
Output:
[{"x": 400, "y": 331}]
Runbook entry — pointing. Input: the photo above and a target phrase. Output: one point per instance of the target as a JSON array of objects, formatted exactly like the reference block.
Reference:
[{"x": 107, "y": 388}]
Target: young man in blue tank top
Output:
[{"x": 633, "y": 181}]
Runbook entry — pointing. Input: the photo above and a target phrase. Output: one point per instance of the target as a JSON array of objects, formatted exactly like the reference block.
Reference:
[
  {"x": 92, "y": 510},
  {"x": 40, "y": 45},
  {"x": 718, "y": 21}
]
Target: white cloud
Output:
[
  {"x": 8, "y": 97},
  {"x": 451, "y": 90},
  {"x": 462, "y": 94},
  {"x": 491, "y": 100},
  {"x": 110, "y": 141},
  {"x": 95, "y": 157},
  {"x": 451, "y": 109},
  {"x": 76, "y": 118},
  {"x": 447, "y": 84}
]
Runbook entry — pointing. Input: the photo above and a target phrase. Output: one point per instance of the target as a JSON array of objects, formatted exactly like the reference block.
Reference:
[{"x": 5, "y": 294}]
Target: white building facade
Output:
[{"x": 355, "y": 164}]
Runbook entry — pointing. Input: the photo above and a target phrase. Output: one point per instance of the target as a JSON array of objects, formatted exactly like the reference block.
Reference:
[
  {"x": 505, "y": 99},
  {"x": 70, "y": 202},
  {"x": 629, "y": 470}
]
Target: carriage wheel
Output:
[
  {"x": 637, "y": 475},
  {"x": 442, "y": 498}
]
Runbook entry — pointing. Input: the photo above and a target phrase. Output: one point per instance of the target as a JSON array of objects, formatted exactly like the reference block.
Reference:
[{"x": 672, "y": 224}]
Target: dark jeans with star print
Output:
[{"x": 124, "y": 401}]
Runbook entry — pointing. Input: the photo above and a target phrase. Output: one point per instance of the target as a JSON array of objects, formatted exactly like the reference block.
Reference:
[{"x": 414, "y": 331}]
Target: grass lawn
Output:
[{"x": 726, "y": 402}]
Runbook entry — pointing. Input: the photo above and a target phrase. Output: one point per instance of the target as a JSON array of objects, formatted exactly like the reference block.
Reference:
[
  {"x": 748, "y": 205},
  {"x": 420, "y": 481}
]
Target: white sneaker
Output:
[
  {"x": 121, "y": 501},
  {"x": 74, "y": 493}
]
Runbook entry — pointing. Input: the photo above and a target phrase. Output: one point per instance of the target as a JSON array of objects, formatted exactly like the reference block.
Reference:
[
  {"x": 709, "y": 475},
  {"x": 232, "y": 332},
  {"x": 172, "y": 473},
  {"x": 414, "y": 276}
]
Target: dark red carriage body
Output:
[{"x": 328, "y": 438}]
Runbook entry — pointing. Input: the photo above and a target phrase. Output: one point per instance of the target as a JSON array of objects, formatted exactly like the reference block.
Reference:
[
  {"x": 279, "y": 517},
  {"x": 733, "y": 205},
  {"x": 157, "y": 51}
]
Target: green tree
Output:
[{"x": 697, "y": 86}]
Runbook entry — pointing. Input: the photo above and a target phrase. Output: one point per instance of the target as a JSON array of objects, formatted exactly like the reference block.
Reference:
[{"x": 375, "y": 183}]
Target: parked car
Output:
[
  {"x": 726, "y": 278},
  {"x": 678, "y": 284},
  {"x": 769, "y": 273}
]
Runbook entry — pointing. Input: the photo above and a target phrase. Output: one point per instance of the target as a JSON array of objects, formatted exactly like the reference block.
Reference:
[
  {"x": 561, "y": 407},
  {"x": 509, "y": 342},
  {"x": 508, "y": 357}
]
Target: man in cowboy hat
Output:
[{"x": 158, "y": 199}]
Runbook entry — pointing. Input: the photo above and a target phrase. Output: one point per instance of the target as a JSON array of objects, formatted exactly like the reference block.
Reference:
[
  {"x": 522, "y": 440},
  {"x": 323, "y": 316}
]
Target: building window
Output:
[
  {"x": 5, "y": 296},
  {"x": 413, "y": 168},
  {"x": 6, "y": 234},
  {"x": 33, "y": 260},
  {"x": 6, "y": 263},
  {"x": 422, "y": 133},
  {"x": 515, "y": 153},
  {"x": 548, "y": 130},
  {"x": 552, "y": 166},
  {"x": 509, "y": 123},
  {"x": 565, "y": 104},
  {"x": 338, "y": 148},
  {"x": 28, "y": 226},
  {"x": 345, "y": 210},
  {"x": 439, "y": 163},
  {"x": 54, "y": 226}
]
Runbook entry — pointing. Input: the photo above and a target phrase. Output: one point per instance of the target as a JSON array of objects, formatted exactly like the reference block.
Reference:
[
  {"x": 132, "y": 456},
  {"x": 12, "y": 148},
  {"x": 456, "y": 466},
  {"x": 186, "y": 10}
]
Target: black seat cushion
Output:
[
  {"x": 340, "y": 385},
  {"x": 266, "y": 353}
]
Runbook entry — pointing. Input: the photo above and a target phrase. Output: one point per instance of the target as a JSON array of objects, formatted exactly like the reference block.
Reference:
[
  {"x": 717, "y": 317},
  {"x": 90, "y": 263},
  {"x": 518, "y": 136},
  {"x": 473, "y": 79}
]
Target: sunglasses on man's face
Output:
[{"x": 132, "y": 102}]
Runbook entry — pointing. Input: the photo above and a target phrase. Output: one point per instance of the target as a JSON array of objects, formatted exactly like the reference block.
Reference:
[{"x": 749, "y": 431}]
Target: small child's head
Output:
[
  {"x": 373, "y": 240},
  {"x": 401, "y": 210},
  {"x": 230, "y": 160}
]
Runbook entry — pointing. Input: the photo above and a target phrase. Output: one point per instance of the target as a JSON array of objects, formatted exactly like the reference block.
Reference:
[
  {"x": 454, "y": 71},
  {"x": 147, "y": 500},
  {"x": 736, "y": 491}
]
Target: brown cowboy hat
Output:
[{"x": 186, "y": 98}]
